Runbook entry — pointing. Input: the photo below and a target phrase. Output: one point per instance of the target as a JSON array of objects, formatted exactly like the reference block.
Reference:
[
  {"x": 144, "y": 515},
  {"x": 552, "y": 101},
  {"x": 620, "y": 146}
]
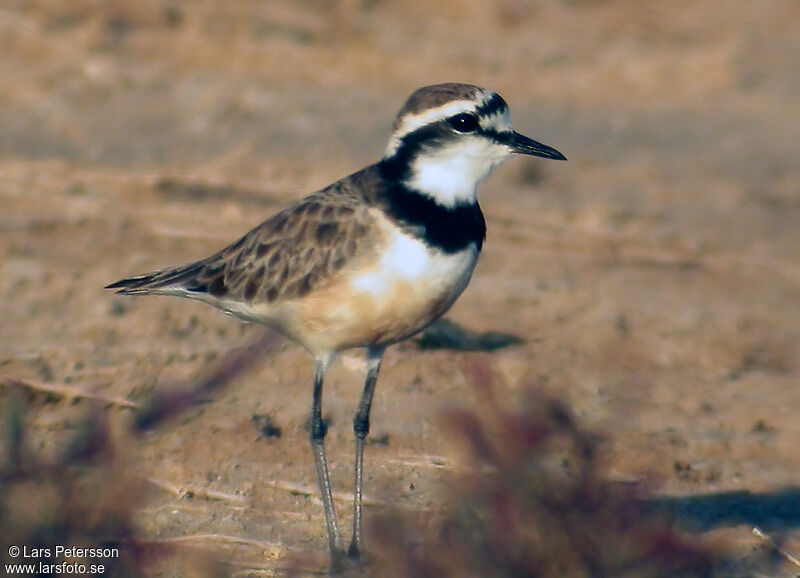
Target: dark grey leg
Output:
[
  {"x": 361, "y": 429},
  {"x": 318, "y": 431}
]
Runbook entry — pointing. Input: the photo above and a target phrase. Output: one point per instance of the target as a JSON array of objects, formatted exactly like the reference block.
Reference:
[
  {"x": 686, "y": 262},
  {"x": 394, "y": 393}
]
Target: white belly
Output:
[{"x": 428, "y": 273}]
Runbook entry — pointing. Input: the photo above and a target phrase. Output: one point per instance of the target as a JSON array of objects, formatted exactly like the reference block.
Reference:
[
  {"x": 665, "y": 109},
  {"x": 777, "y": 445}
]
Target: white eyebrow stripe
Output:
[
  {"x": 486, "y": 97},
  {"x": 499, "y": 121},
  {"x": 412, "y": 122}
]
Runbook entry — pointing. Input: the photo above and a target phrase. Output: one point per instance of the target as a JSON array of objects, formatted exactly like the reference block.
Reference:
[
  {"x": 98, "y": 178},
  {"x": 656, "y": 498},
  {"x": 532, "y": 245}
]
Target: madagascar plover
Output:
[{"x": 370, "y": 260}]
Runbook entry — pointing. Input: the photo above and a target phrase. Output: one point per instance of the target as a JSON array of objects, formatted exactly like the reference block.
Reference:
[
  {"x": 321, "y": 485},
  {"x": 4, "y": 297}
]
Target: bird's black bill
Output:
[{"x": 527, "y": 146}]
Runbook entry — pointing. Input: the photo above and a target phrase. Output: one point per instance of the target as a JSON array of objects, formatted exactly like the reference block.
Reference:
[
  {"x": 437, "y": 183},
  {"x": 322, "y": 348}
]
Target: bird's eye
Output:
[{"x": 463, "y": 122}]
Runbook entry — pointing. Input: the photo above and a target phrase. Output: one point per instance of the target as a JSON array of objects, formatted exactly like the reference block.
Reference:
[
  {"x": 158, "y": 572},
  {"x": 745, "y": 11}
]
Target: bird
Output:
[{"x": 368, "y": 261}]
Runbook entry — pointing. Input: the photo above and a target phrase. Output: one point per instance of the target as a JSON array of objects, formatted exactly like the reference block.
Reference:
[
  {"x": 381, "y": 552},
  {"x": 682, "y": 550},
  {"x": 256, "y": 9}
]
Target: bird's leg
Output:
[
  {"x": 318, "y": 431},
  {"x": 361, "y": 429}
]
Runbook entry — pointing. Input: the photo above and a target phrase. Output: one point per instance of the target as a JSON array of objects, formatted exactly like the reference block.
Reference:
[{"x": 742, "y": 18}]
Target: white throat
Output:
[{"x": 450, "y": 176}]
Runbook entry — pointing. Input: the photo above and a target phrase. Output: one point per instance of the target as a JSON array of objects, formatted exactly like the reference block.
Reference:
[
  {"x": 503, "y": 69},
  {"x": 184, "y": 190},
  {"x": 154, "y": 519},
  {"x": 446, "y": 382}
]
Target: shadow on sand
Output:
[{"x": 776, "y": 511}]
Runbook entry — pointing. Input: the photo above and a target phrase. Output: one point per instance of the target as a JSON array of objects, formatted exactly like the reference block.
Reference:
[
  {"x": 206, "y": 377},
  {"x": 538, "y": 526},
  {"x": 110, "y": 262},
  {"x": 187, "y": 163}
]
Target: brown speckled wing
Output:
[
  {"x": 290, "y": 254},
  {"x": 293, "y": 252},
  {"x": 287, "y": 256}
]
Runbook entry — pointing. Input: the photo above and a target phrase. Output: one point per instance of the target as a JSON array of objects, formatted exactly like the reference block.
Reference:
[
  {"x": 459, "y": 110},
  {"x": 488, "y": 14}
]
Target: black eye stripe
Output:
[
  {"x": 411, "y": 144},
  {"x": 397, "y": 165},
  {"x": 464, "y": 122}
]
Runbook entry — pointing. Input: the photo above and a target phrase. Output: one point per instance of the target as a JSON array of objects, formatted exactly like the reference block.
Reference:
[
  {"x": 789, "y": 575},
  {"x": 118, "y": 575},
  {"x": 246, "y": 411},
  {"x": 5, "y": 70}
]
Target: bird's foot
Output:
[
  {"x": 354, "y": 552},
  {"x": 343, "y": 562}
]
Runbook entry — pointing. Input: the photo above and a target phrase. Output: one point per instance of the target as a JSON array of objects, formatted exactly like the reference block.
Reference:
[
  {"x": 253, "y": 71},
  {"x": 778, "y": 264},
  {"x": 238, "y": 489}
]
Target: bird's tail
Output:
[{"x": 171, "y": 280}]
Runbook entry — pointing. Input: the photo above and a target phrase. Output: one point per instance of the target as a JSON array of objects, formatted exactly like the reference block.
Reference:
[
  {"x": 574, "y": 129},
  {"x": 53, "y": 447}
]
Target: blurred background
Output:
[{"x": 654, "y": 279}]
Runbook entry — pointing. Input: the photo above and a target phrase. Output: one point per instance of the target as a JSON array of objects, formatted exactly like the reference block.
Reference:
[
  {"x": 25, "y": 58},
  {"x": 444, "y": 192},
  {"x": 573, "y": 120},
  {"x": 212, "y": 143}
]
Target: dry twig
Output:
[
  {"x": 196, "y": 492},
  {"x": 302, "y": 490},
  {"x": 766, "y": 538},
  {"x": 67, "y": 391}
]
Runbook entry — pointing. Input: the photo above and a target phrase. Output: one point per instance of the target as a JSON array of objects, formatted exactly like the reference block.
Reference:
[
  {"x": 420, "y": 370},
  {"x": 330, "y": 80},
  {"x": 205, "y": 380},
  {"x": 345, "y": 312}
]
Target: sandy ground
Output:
[{"x": 654, "y": 278}]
